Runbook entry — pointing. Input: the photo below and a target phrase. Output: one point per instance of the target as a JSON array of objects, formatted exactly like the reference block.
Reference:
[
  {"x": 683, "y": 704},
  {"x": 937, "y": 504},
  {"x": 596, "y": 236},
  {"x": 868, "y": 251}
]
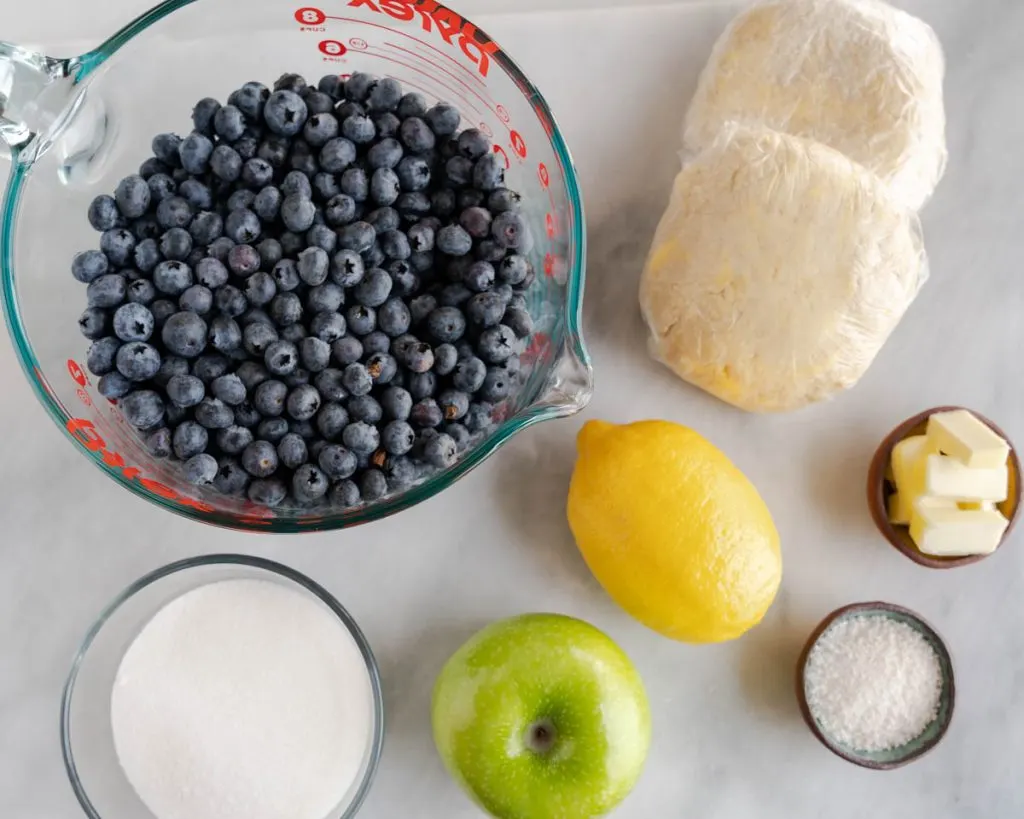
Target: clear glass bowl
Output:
[
  {"x": 87, "y": 741},
  {"x": 75, "y": 126}
]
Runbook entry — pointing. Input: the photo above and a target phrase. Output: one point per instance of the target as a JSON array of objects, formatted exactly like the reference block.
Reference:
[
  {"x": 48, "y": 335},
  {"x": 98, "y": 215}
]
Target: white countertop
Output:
[{"x": 728, "y": 742}]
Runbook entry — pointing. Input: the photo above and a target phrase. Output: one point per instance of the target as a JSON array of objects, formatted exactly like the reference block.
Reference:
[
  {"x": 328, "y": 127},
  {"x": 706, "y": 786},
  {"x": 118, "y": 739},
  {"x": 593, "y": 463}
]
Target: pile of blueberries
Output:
[{"x": 315, "y": 296}]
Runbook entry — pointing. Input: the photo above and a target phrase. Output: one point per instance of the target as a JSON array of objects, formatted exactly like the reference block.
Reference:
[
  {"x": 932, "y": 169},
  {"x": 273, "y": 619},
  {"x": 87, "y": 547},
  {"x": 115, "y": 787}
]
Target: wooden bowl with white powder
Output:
[{"x": 875, "y": 685}]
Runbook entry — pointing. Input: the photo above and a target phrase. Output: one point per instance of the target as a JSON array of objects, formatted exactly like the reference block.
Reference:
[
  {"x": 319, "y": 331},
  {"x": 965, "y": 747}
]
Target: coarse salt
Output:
[
  {"x": 872, "y": 683},
  {"x": 242, "y": 699}
]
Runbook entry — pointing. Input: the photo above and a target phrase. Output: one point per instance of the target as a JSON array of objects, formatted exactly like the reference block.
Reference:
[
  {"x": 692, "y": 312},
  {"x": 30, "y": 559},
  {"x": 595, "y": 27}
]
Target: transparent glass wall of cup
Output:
[{"x": 75, "y": 126}]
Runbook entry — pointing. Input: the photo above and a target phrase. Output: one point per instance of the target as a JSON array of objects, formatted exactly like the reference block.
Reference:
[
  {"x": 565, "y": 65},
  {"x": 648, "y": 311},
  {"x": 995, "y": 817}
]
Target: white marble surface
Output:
[{"x": 728, "y": 739}]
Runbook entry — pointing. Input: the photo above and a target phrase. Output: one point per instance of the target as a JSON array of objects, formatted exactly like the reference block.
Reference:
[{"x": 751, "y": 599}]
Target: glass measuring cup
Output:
[{"x": 75, "y": 126}]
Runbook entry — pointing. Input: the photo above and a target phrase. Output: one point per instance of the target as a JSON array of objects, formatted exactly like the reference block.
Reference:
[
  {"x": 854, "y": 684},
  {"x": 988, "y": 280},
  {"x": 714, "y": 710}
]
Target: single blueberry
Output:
[
  {"x": 152, "y": 166},
  {"x": 519, "y": 321},
  {"x": 496, "y": 344},
  {"x": 260, "y": 289},
  {"x": 452, "y": 295},
  {"x": 184, "y": 334},
  {"x": 384, "y": 186},
  {"x": 161, "y": 186},
  {"x": 421, "y": 385},
  {"x": 274, "y": 149},
  {"x": 394, "y": 317},
  {"x": 332, "y": 85},
  {"x": 171, "y": 366},
  {"x": 359, "y": 129},
  {"x": 234, "y": 439},
  {"x": 458, "y": 171},
  {"x": 361, "y": 320},
  {"x": 219, "y": 248},
  {"x": 318, "y": 103},
  {"x": 204, "y": 114},
  {"x": 272, "y": 429},
  {"x": 469, "y": 374},
  {"x": 488, "y": 173},
  {"x": 103, "y": 213},
  {"x": 328, "y": 326},
  {"x": 513, "y": 269},
  {"x": 194, "y": 152},
  {"x": 440, "y": 451},
  {"x": 383, "y": 219},
  {"x": 396, "y": 403},
  {"x": 210, "y": 366},
  {"x": 201, "y": 469},
  {"x": 337, "y": 154},
  {"x": 361, "y": 438},
  {"x": 269, "y": 397},
  {"x": 303, "y": 402},
  {"x": 510, "y": 230},
  {"x": 374, "y": 289},
  {"x": 355, "y": 183},
  {"x": 231, "y": 478},
  {"x": 313, "y": 265},
  {"x": 326, "y": 186},
  {"x": 133, "y": 322},
  {"x": 185, "y": 390},
  {"x": 165, "y": 148},
  {"x": 297, "y": 213},
  {"x": 443, "y": 119},
  {"x": 479, "y": 277},
  {"x": 295, "y": 83},
  {"x": 327, "y": 297},
  {"x": 454, "y": 240},
  {"x": 89, "y": 265},
  {"x": 357, "y": 379},
  {"x": 143, "y": 409},
  {"x": 158, "y": 443},
  {"x": 176, "y": 244},
  {"x": 242, "y": 226},
  {"x": 357, "y": 237},
  {"x": 331, "y": 420},
  {"x": 485, "y": 309},
  {"x": 133, "y": 196},
  {"x": 172, "y": 277},
  {"x": 309, "y": 484},
  {"x": 292, "y": 451},
  {"x": 226, "y": 163},
  {"x": 426, "y": 413},
  {"x": 285, "y": 308},
  {"x": 446, "y": 324},
  {"x": 281, "y": 358},
  {"x": 344, "y": 494},
  {"x": 382, "y": 368},
  {"x": 94, "y": 323},
  {"x": 329, "y": 385},
  {"x": 271, "y": 492},
  {"x": 107, "y": 291},
  {"x": 118, "y": 244},
  {"x": 413, "y": 173},
  {"x": 114, "y": 385},
  {"x": 374, "y": 256},
  {"x": 260, "y": 459},
  {"x": 285, "y": 113},
  {"x": 347, "y": 350}
]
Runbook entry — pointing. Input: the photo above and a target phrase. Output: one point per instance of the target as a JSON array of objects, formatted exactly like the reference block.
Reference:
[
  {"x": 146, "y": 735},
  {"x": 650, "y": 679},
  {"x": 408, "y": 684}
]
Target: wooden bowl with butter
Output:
[{"x": 881, "y": 487}]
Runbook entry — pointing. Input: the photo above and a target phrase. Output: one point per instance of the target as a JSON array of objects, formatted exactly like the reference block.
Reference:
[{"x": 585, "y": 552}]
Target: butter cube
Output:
[
  {"x": 944, "y": 532},
  {"x": 908, "y": 464},
  {"x": 988, "y": 506},
  {"x": 946, "y": 477},
  {"x": 901, "y": 507},
  {"x": 962, "y": 436}
]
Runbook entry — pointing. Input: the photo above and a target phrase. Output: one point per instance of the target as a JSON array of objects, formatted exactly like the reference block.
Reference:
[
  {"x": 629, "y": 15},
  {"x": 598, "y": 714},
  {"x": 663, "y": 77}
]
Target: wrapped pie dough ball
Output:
[
  {"x": 778, "y": 271},
  {"x": 858, "y": 75}
]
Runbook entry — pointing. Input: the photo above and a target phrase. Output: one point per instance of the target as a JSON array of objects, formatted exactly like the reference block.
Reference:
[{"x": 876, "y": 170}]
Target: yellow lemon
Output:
[{"x": 674, "y": 532}]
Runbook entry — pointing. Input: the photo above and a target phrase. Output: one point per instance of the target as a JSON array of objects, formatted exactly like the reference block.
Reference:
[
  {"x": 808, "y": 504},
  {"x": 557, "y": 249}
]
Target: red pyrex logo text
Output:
[{"x": 454, "y": 30}]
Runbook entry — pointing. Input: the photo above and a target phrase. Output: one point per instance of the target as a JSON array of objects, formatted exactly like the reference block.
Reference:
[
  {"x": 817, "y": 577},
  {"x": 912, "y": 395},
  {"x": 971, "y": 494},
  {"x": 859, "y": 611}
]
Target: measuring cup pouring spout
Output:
[{"x": 44, "y": 105}]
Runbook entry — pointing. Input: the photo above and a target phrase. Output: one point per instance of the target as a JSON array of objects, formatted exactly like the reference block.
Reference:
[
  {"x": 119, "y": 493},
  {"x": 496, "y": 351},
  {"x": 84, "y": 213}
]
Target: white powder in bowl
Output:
[
  {"x": 242, "y": 699},
  {"x": 872, "y": 683}
]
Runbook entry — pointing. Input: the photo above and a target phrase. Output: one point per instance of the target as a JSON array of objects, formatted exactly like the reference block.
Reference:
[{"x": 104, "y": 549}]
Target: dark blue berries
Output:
[{"x": 315, "y": 297}]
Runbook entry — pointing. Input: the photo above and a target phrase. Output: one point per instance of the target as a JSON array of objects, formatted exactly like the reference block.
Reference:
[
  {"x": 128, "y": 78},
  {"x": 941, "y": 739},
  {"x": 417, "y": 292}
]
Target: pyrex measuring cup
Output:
[{"x": 75, "y": 126}]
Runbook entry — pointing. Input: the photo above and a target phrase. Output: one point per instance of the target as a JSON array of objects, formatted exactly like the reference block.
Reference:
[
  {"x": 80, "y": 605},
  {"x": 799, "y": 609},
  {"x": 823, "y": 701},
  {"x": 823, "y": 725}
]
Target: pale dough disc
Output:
[
  {"x": 778, "y": 270},
  {"x": 858, "y": 75}
]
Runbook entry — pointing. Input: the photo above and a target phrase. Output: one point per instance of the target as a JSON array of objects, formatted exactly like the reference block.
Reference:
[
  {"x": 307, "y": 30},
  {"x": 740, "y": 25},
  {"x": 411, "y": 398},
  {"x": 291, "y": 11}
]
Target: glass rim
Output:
[
  {"x": 372, "y": 760},
  {"x": 569, "y": 344}
]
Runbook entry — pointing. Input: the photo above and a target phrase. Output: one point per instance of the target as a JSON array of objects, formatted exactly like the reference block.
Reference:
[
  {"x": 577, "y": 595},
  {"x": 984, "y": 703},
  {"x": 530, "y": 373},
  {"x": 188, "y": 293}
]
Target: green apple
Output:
[{"x": 542, "y": 716}]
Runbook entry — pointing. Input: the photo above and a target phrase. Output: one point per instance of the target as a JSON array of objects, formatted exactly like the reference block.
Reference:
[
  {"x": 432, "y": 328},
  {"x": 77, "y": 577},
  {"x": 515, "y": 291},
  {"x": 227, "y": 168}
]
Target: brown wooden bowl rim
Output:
[
  {"x": 876, "y": 492},
  {"x": 805, "y": 709}
]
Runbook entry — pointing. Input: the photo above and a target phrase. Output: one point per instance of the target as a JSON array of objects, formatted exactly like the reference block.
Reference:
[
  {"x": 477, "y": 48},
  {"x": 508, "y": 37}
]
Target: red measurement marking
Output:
[
  {"x": 310, "y": 16},
  {"x": 549, "y": 223},
  {"x": 485, "y": 129},
  {"x": 542, "y": 173},
  {"x": 549, "y": 265},
  {"x": 502, "y": 113},
  {"x": 332, "y": 48},
  {"x": 499, "y": 150},
  {"x": 518, "y": 145},
  {"x": 84, "y": 397},
  {"x": 77, "y": 373},
  {"x": 455, "y": 94},
  {"x": 538, "y": 345},
  {"x": 359, "y": 44},
  {"x": 487, "y": 102},
  {"x": 84, "y": 432},
  {"x": 450, "y": 26}
]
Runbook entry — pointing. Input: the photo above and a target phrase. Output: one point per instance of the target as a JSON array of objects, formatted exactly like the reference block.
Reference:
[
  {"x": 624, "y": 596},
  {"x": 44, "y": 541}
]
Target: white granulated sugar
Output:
[
  {"x": 872, "y": 683},
  {"x": 242, "y": 699}
]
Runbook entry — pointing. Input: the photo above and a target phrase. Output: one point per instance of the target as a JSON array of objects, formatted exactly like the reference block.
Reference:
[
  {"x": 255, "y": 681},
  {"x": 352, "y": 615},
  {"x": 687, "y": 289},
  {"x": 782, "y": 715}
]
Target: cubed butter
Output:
[
  {"x": 962, "y": 436},
  {"x": 988, "y": 506},
  {"x": 944, "y": 532},
  {"x": 908, "y": 462},
  {"x": 946, "y": 477},
  {"x": 901, "y": 507}
]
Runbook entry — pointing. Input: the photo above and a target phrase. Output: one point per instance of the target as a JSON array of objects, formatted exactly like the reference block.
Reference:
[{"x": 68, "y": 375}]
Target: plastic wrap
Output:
[
  {"x": 778, "y": 270},
  {"x": 857, "y": 75}
]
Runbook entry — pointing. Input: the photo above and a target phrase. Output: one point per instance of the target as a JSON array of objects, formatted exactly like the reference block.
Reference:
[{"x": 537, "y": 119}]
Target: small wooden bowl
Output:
[
  {"x": 879, "y": 491},
  {"x": 920, "y": 745}
]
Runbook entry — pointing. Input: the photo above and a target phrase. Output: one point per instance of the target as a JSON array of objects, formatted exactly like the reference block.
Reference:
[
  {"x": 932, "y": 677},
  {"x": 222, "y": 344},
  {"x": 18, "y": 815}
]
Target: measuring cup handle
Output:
[
  {"x": 571, "y": 382},
  {"x": 35, "y": 91}
]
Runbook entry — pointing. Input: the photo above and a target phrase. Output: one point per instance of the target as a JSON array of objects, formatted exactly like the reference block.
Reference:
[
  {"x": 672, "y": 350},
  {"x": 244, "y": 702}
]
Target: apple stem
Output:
[{"x": 540, "y": 736}]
